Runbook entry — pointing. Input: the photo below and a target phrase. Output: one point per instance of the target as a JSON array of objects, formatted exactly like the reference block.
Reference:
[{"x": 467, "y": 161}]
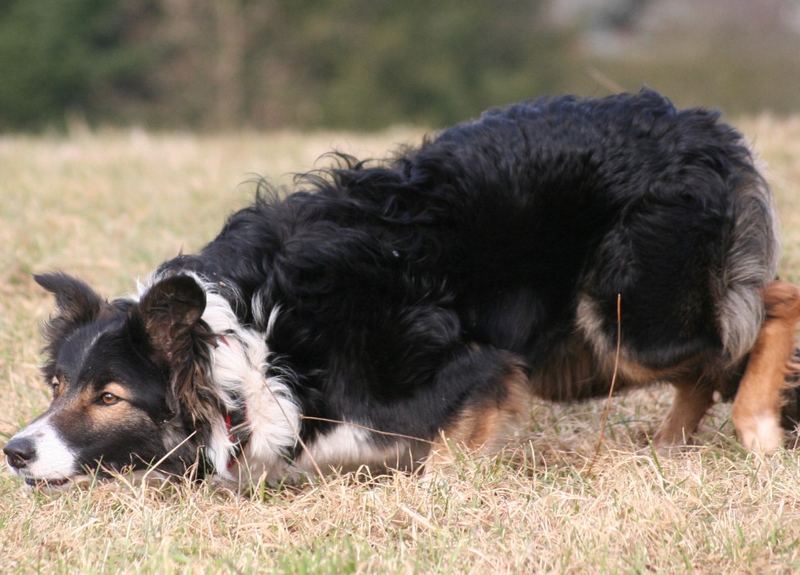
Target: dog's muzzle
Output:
[{"x": 39, "y": 455}]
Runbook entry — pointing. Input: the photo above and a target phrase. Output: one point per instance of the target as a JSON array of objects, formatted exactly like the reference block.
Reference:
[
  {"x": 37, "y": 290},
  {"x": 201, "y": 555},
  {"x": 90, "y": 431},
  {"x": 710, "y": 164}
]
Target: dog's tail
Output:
[{"x": 749, "y": 262}]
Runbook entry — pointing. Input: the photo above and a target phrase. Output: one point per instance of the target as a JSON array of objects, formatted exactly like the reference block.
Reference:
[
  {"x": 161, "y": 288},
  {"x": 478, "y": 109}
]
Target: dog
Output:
[{"x": 383, "y": 309}]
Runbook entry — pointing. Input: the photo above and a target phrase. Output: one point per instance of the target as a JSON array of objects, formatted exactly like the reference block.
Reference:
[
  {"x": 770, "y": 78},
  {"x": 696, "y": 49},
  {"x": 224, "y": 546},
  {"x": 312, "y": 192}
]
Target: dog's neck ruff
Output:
[
  {"x": 239, "y": 369},
  {"x": 260, "y": 424},
  {"x": 234, "y": 424}
]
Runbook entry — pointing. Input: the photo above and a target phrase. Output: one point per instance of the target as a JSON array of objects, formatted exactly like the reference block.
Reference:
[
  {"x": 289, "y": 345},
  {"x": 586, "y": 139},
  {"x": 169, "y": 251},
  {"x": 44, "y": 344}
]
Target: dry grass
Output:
[{"x": 110, "y": 207}]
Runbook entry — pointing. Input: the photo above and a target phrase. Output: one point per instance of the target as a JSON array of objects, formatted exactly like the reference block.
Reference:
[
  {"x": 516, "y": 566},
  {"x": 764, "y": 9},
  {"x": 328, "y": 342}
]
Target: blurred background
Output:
[{"x": 367, "y": 64}]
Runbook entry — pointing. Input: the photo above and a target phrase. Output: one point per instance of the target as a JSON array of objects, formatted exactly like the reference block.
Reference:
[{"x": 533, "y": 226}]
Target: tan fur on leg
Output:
[
  {"x": 486, "y": 426},
  {"x": 757, "y": 406},
  {"x": 690, "y": 404}
]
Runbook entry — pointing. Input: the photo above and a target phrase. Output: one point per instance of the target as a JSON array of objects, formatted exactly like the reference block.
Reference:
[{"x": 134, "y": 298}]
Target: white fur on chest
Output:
[{"x": 239, "y": 368}]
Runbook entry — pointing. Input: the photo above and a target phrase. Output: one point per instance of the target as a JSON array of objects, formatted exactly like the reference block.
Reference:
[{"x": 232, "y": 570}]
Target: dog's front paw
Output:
[{"x": 760, "y": 433}]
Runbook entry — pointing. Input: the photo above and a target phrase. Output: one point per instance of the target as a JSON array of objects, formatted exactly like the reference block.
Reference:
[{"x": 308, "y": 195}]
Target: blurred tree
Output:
[
  {"x": 359, "y": 64},
  {"x": 353, "y": 63},
  {"x": 61, "y": 56},
  {"x": 369, "y": 62}
]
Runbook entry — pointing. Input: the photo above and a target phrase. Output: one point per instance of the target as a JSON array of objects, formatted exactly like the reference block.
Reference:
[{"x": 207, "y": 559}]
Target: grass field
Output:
[{"x": 110, "y": 206}]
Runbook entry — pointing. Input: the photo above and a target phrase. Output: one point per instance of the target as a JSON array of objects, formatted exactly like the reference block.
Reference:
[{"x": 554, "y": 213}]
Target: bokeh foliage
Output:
[
  {"x": 69, "y": 56},
  {"x": 366, "y": 64}
]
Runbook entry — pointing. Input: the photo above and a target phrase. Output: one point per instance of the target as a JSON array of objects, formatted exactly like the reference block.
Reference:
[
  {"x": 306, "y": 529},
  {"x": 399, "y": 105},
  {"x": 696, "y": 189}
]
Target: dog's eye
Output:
[
  {"x": 108, "y": 398},
  {"x": 55, "y": 385}
]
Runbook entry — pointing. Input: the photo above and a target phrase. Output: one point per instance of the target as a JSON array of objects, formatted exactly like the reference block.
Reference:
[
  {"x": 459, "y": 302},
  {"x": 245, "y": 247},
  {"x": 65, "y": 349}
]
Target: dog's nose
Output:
[{"x": 19, "y": 452}]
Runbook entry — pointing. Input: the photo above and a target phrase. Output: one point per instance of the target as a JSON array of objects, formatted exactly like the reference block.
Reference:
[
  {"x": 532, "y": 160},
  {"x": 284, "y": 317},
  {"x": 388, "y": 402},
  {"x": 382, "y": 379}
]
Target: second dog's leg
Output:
[
  {"x": 691, "y": 403},
  {"x": 757, "y": 406}
]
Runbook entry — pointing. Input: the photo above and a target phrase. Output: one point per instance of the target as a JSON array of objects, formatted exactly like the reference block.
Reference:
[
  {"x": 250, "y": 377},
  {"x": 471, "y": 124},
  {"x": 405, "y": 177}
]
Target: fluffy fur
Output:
[{"x": 382, "y": 304}]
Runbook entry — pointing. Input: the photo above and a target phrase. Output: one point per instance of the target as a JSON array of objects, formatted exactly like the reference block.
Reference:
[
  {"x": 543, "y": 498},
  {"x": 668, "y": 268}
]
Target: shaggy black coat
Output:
[{"x": 403, "y": 286}]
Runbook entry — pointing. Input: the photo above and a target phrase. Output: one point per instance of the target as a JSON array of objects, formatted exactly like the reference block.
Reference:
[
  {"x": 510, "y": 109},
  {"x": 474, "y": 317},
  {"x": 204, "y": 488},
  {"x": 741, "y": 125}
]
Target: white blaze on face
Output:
[{"x": 53, "y": 459}]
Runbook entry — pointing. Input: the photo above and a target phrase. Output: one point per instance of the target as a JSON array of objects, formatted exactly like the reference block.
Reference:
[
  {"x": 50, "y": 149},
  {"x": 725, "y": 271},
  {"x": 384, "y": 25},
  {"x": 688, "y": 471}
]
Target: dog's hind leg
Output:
[
  {"x": 691, "y": 402},
  {"x": 757, "y": 406}
]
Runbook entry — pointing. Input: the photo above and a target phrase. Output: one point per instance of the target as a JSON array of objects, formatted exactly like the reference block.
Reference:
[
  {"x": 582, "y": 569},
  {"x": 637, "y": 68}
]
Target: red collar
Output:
[
  {"x": 229, "y": 424},
  {"x": 236, "y": 441}
]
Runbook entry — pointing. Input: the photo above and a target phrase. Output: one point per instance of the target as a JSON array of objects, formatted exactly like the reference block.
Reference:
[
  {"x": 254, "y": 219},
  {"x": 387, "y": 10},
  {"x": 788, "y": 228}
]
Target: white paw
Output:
[{"x": 760, "y": 433}]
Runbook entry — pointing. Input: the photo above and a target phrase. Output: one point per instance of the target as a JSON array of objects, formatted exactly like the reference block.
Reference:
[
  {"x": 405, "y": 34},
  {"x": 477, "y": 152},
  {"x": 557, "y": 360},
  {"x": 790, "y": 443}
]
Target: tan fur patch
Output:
[
  {"x": 692, "y": 401},
  {"x": 82, "y": 410},
  {"x": 582, "y": 367},
  {"x": 757, "y": 406},
  {"x": 489, "y": 425},
  {"x": 108, "y": 416},
  {"x": 116, "y": 389},
  {"x": 57, "y": 385}
]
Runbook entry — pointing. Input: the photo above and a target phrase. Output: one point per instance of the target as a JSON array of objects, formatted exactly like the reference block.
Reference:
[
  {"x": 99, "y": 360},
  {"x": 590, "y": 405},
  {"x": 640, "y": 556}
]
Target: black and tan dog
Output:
[{"x": 381, "y": 305}]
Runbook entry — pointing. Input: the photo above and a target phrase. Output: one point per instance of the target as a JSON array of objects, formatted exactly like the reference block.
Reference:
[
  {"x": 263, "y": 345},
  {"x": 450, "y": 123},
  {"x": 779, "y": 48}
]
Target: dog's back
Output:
[
  {"x": 535, "y": 216},
  {"x": 517, "y": 231}
]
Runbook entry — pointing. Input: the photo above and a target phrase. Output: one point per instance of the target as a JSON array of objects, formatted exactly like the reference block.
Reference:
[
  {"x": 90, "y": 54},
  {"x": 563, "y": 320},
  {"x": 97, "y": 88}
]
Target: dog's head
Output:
[{"x": 124, "y": 377}]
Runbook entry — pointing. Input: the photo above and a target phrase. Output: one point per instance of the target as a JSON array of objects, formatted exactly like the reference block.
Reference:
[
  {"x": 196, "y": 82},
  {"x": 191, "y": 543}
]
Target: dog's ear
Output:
[
  {"x": 77, "y": 304},
  {"x": 171, "y": 312}
]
